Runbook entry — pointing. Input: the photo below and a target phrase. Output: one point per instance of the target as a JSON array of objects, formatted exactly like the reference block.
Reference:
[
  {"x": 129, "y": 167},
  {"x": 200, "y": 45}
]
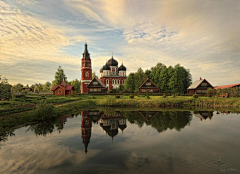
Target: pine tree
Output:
[{"x": 59, "y": 77}]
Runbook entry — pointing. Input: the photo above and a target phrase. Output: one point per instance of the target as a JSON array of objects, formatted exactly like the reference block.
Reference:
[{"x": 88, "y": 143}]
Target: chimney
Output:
[{"x": 200, "y": 78}]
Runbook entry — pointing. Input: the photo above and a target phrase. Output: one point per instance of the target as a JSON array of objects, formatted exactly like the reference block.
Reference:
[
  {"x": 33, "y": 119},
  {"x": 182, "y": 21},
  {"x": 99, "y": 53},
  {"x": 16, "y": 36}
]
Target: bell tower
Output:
[
  {"x": 86, "y": 127},
  {"x": 86, "y": 71}
]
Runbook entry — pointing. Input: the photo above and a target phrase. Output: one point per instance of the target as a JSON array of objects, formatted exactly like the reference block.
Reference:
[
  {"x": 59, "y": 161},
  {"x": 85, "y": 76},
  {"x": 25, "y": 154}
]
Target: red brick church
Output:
[{"x": 111, "y": 75}]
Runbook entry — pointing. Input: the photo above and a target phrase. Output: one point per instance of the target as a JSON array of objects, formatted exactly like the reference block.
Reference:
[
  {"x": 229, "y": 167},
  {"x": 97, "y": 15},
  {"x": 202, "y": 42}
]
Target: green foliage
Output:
[
  {"x": 59, "y": 77},
  {"x": 5, "y": 90},
  {"x": 17, "y": 88},
  {"x": 164, "y": 95},
  {"x": 195, "y": 95},
  {"x": 110, "y": 100},
  {"x": 131, "y": 96},
  {"x": 130, "y": 83},
  {"x": 45, "y": 111},
  {"x": 77, "y": 85},
  {"x": 94, "y": 75},
  {"x": 117, "y": 96}
]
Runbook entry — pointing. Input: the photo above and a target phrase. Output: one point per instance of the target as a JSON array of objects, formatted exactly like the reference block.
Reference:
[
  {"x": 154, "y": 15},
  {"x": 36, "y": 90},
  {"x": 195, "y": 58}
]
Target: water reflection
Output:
[{"x": 144, "y": 142}]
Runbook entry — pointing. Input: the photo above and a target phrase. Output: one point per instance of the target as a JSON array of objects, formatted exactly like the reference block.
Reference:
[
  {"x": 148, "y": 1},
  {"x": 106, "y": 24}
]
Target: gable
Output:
[
  {"x": 203, "y": 83},
  {"x": 96, "y": 83},
  {"x": 56, "y": 87},
  {"x": 148, "y": 84}
]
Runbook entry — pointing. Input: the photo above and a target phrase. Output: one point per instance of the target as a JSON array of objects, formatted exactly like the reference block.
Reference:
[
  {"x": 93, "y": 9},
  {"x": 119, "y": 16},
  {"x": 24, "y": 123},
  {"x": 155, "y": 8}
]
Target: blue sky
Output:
[{"x": 38, "y": 36}]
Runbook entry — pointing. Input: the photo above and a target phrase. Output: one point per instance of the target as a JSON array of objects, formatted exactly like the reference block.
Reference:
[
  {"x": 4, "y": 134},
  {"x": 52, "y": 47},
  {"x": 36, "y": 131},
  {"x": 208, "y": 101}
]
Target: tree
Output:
[
  {"x": 77, "y": 85},
  {"x": 5, "y": 89},
  {"x": 130, "y": 82},
  {"x": 46, "y": 87},
  {"x": 59, "y": 77},
  {"x": 17, "y": 88},
  {"x": 94, "y": 75},
  {"x": 139, "y": 78}
]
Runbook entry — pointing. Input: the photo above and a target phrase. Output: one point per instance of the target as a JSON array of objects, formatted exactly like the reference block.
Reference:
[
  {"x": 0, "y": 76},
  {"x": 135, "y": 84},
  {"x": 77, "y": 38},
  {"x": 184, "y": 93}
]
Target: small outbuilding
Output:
[
  {"x": 148, "y": 86},
  {"x": 63, "y": 89},
  {"x": 227, "y": 86},
  {"x": 96, "y": 86},
  {"x": 199, "y": 87}
]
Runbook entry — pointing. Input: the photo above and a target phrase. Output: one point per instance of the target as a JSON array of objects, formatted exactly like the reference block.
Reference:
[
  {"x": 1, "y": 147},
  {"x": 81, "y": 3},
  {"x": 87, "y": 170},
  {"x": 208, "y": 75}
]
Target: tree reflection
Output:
[{"x": 161, "y": 121}]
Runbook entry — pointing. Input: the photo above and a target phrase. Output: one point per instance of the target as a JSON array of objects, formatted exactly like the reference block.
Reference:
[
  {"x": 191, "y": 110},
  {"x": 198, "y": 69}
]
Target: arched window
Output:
[
  {"x": 107, "y": 82},
  {"x": 123, "y": 82},
  {"x": 86, "y": 74},
  {"x": 113, "y": 81},
  {"x": 59, "y": 91},
  {"x": 118, "y": 81}
]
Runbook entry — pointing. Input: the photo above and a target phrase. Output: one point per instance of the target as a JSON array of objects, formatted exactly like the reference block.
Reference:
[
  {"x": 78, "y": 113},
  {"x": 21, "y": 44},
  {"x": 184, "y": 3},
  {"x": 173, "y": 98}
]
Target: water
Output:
[{"x": 126, "y": 142}]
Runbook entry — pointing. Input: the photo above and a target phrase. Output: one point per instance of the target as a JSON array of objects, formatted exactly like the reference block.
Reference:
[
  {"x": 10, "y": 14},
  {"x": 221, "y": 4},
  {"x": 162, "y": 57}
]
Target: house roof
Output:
[
  {"x": 150, "y": 81},
  {"x": 99, "y": 81},
  {"x": 64, "y": 86},
  {"x": 195, "y": 84},
  {"x": 225, "y": 86}
]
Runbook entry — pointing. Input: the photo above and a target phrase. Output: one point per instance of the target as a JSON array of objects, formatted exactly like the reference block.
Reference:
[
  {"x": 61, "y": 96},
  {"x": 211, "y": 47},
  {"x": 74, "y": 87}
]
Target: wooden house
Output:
[
  {"x": 199, "y": 87},
  {"x": 63, "y": 89},
  {"x": 148, "y": 86},
  {"x": 96, "y": 86}
]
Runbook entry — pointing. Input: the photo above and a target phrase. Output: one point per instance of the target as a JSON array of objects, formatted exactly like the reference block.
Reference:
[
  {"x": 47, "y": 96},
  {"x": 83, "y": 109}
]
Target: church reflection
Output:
[{"x": 110, "y": 124}]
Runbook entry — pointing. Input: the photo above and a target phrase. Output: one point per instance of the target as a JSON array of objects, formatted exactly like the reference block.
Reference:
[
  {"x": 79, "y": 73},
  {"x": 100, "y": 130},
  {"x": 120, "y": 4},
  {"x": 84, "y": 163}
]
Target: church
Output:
[{"x": 111, "y": 75}]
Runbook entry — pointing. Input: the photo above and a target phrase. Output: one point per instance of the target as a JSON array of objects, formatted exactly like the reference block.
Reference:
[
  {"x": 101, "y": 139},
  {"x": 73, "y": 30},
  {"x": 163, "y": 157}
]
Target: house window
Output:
[
  {"x": 204, "y": 84},
  {"x": 91, "y": 90},
  {"x": 148, "y": 83},
  {"x": 59, "y": 91},
  {"x": 99, "y": 89},
  {"x": 95, "y": 83},
  {"x": 143, "y": 90}
]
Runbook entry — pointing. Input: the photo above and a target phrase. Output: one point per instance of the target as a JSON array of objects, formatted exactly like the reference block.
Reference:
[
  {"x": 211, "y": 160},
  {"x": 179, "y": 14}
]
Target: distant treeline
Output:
[{"x": 169, "y": 79}]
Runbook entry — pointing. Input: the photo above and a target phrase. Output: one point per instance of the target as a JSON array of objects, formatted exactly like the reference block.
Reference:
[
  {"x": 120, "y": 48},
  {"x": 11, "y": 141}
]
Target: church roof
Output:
[
  {"x": 112, "y": 62},
  {"x": 106, "y": 67},
  {"x": 122, "y": 68},
  {"x": 86, "y": 54}
]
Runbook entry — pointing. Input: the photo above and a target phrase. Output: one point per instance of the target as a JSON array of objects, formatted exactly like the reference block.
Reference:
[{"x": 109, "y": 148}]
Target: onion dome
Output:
[
  {"x": 106, "y": 67},
  {"x": 112, "y": 62},
  {"x": 112, "y": 133},
  {"x": 122, "y": 68},
  {"x": 122, "y": 127},
  {"x": 101, "y": 70}
]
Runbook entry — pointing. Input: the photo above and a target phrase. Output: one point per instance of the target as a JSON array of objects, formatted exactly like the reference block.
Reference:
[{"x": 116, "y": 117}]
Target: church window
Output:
[
  {"x": 113, "y": 81},
  {"x": 107, "y": 82},
  {"x": 59, "y": 91},
  {"x": 118, "y": 81},
  {"x": 123, "y": 82}
]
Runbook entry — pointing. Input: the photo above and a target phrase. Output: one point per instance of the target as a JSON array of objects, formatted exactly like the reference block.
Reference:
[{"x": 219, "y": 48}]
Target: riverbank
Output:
[{"x": 68, "y": 103}]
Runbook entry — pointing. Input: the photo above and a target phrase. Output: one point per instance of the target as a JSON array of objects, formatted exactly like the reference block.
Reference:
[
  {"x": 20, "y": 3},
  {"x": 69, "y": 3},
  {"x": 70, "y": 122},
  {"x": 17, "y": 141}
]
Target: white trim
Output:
[{"x": 86, "y": 81}]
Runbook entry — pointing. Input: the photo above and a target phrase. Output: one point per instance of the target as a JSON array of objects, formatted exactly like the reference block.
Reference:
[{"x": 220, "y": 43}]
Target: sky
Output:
[{"x": 37, "y": 36}]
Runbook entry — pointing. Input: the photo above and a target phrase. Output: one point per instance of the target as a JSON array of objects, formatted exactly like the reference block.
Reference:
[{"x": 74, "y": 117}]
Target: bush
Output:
[
  {"x": 174, "y": 95},
  {"x": 164, "y": 96},
  {"x": 45, "y": 111},
  {"x": 131, "y": 96},
  {"x": 117, "y": 96},
  {"x": 148, "y": 97},
  {"x": 195, "y": 95},
  {"x": 110, "y": 100}
]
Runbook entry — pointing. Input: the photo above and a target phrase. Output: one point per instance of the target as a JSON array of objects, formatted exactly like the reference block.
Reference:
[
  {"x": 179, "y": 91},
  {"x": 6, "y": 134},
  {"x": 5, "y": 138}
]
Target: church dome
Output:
[
  {"x": 101, "y": 70},
  {"x": 106, "y": 67},
  {"x": 122, "y": 68},
  {"x": 112, "y": 62}
]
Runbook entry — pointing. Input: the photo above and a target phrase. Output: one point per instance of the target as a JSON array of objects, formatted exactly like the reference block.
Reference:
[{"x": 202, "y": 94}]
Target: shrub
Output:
[
  {"x": 148, "y": 97},
  {"x": 117, "y": 96},
  {"x": 45, "y": 111},
  {"x": 195, "y": 95},
  {"x": 164, "y": 96},
  {"x": 131, "y": 96},
  {"x": 110, "y": 100},
  {"x": 174, "y": 95}
]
